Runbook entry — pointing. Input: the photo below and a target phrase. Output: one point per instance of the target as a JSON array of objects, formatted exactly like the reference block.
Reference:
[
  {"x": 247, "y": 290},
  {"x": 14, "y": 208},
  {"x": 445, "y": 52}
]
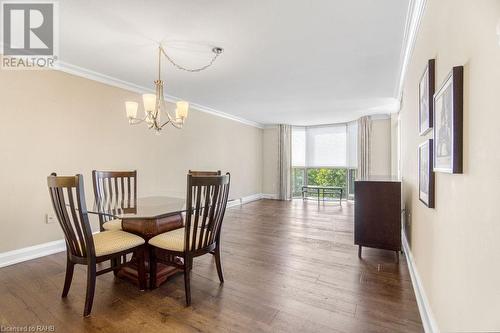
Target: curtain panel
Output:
[
  {"x": 364, "y": 142},
  {"x": 285, "y": 162}
]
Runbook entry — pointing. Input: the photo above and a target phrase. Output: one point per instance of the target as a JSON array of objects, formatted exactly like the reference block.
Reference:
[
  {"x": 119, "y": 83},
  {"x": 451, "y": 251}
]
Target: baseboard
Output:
[
  {"x": 244, "y": 200},
  {"x": 428, "y": 321},
  {"x": 41, "y": 250},
  {"x": 269, "y": 196},
  {"x": 31, "y": 252}
]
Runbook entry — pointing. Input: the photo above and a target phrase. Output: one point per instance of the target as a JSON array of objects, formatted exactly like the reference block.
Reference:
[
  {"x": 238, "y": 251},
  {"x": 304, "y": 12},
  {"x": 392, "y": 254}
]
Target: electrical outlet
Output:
[{"x": 50, "y": 219}]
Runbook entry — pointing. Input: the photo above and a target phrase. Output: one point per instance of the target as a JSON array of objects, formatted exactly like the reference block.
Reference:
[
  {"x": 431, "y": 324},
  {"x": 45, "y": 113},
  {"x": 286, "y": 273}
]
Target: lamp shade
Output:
[
  {"x": 498, "y": 31},
  {"x": 131, "y": 108},
  {"x": 149, "y": 101},
  {"x": 181, "y": 112}
]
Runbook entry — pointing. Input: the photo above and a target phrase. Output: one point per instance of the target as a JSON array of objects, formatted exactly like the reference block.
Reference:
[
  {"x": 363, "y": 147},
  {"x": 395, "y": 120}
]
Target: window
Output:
[{"x": 324, "y": 155}]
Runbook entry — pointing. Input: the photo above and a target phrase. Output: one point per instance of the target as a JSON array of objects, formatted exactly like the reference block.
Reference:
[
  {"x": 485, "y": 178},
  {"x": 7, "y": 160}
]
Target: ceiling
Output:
[{"x": 296, "y": 62}]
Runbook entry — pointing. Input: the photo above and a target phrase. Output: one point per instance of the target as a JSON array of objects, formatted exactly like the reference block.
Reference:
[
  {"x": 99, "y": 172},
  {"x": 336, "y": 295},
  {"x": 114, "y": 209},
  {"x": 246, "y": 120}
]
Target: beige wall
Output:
[
  {"x": 270, "y": 174},
  {"x": 381, "y": 147},
  {"x": 456, "y": 246},
  {"x": 53, "y": 121},
  {"x": 395, "y": 145}
]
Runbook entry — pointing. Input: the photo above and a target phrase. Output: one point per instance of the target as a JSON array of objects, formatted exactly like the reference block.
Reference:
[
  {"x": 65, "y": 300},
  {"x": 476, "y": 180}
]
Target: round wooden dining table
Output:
[{"x": 146, "y": 217}]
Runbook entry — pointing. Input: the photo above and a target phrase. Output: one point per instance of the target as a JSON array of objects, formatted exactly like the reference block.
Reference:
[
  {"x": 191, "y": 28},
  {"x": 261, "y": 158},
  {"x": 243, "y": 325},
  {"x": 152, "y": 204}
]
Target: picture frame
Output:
[
  {"x": 426, "y": 173},
  {"x": 426, "y": 89},
  {"x": 448, "y": 124}
]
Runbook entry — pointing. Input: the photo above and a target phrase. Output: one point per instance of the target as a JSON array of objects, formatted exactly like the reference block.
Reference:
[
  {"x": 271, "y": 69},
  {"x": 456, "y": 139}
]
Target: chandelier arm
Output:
[
  {"x": 216, "y": 50},
  {"x": 163, "y": 125},
  {"x": 135, "y": 121},
  {"x": 174, "y": 122}
]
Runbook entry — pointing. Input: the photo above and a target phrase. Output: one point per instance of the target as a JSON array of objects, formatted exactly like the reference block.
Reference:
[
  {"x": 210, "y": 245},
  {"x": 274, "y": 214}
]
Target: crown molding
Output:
[
  {"x": 413, "y": 18},
  {"x": 111, "y": 81}
]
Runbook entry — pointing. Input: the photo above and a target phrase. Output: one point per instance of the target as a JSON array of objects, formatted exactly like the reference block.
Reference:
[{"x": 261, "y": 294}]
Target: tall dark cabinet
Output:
[{"x": 377, "y": 213}]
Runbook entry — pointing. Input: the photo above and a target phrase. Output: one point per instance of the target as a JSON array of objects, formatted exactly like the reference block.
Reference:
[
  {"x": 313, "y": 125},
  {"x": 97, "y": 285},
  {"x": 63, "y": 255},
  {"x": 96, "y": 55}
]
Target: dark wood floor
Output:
[{"x": 289, "y": 267}]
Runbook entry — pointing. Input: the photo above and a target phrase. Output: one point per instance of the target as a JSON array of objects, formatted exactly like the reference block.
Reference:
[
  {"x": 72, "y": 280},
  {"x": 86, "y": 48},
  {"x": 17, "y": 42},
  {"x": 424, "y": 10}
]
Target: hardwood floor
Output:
[{"x": 289, "y": 267}]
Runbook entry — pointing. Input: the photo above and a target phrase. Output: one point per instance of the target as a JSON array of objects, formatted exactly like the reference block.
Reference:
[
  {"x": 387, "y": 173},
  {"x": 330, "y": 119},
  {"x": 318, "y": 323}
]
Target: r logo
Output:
[{"x": 28, "y": 29}]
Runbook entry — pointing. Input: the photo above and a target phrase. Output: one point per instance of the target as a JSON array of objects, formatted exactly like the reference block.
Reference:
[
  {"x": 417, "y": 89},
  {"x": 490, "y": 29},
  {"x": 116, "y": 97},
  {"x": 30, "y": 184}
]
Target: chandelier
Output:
[{"x": 154, "y": 104}]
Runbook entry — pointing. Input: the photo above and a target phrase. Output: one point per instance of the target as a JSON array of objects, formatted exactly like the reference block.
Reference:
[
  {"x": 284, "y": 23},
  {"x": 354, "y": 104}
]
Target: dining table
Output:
[{"x": 145, "y": 217}]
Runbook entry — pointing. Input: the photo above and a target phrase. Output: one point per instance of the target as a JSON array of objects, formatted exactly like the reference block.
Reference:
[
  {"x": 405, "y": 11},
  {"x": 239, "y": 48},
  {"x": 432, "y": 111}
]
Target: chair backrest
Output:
[
  {"x": 68, "y": 199},
  {"x": 206, "y": 202},
  {"x": 114, "y": 189},
  {"x": 204, "y": 173}
]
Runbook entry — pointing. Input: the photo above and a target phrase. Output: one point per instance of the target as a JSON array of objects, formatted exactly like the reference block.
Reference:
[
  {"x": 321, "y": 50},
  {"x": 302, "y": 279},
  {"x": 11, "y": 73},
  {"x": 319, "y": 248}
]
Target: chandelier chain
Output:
[{"x": 216, "y": 50}]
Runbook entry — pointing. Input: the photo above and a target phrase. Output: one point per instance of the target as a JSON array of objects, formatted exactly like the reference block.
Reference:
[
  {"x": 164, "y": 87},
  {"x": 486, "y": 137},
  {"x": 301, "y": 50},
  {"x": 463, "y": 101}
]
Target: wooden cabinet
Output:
[{"x": 377, "y": 213}]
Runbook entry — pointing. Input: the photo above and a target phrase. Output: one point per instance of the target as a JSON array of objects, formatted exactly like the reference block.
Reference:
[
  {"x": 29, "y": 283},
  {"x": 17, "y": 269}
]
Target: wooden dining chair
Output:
[
  {"x": 206, "y": 205},
  {"x": 111, "y": 187},
  {"x": 83, "y": 247}
]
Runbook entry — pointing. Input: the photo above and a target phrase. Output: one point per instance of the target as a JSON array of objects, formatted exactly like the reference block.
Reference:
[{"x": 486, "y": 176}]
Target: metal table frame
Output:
[{"x": 321, "y": 189}]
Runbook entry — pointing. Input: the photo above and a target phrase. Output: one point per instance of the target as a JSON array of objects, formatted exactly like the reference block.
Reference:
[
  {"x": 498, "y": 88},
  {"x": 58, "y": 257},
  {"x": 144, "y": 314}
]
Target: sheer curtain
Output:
[
  {"x": 285, "y": 162},
  {"x": 364, "y": 141},
  {"x": 325, "y": 146}
]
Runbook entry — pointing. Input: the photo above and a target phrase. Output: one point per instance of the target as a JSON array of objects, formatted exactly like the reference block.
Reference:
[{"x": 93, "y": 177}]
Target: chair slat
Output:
[
  {"x": 213, "y": 209},
  {"x": 76, "y": 224},
  {"x": 205, "y": 209}
]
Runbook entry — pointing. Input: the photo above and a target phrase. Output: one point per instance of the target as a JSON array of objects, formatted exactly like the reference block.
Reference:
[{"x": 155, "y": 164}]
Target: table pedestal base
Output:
[
  {"x": 163, "y": 272},
  {"x": 147, "y": 229}
]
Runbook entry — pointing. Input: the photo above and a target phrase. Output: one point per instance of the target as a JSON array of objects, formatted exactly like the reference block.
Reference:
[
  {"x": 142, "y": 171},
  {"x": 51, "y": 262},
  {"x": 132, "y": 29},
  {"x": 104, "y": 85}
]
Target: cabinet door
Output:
[{"x": 377, "y": 215}]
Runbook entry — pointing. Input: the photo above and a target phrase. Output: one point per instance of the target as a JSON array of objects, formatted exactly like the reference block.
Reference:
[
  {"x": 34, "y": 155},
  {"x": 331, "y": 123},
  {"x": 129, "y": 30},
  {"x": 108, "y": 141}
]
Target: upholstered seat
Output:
[
  {"x": 174, "y": 240},
  {"x": 108, "y": 242},
  {"x": 115, "y": 224}
]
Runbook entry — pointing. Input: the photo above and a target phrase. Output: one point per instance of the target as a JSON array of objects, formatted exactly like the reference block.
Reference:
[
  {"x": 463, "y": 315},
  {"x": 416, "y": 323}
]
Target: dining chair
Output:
[
  {"x": 206, "y": 205},
  {"x": 111, "y": 187},
  {"x": 83, "y": 247}
]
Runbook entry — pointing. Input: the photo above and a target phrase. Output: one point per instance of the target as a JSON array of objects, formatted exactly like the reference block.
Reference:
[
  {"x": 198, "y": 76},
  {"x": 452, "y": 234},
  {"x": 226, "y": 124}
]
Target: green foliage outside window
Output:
[
  {"x": 327, "y": 177},
  {"x": 323, "y": 177}
]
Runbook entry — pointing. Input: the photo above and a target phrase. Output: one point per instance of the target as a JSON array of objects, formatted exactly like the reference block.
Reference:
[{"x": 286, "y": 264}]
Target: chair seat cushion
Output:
[
  {"x": 115, "y": 224},
  {"x": 173, "y": 240},
  {"x": 108, "y": 242}
]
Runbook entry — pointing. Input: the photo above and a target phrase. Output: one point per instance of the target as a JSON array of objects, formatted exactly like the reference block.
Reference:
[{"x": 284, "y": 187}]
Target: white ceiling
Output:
[{"x": 301, "y": 62}]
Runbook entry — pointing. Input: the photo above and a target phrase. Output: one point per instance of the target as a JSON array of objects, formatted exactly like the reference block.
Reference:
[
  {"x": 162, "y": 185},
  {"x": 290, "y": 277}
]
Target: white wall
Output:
[
  {"x": 52, "y": 121},
  {"x": 456, "y": 246}
]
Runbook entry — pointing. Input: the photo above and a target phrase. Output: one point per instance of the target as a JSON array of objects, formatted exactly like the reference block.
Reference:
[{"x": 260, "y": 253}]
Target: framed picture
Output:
[
  {"x": 448, "y": 123},
  {"x": 426, "y": 173},
  {"x": 425, "y": 93}
]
